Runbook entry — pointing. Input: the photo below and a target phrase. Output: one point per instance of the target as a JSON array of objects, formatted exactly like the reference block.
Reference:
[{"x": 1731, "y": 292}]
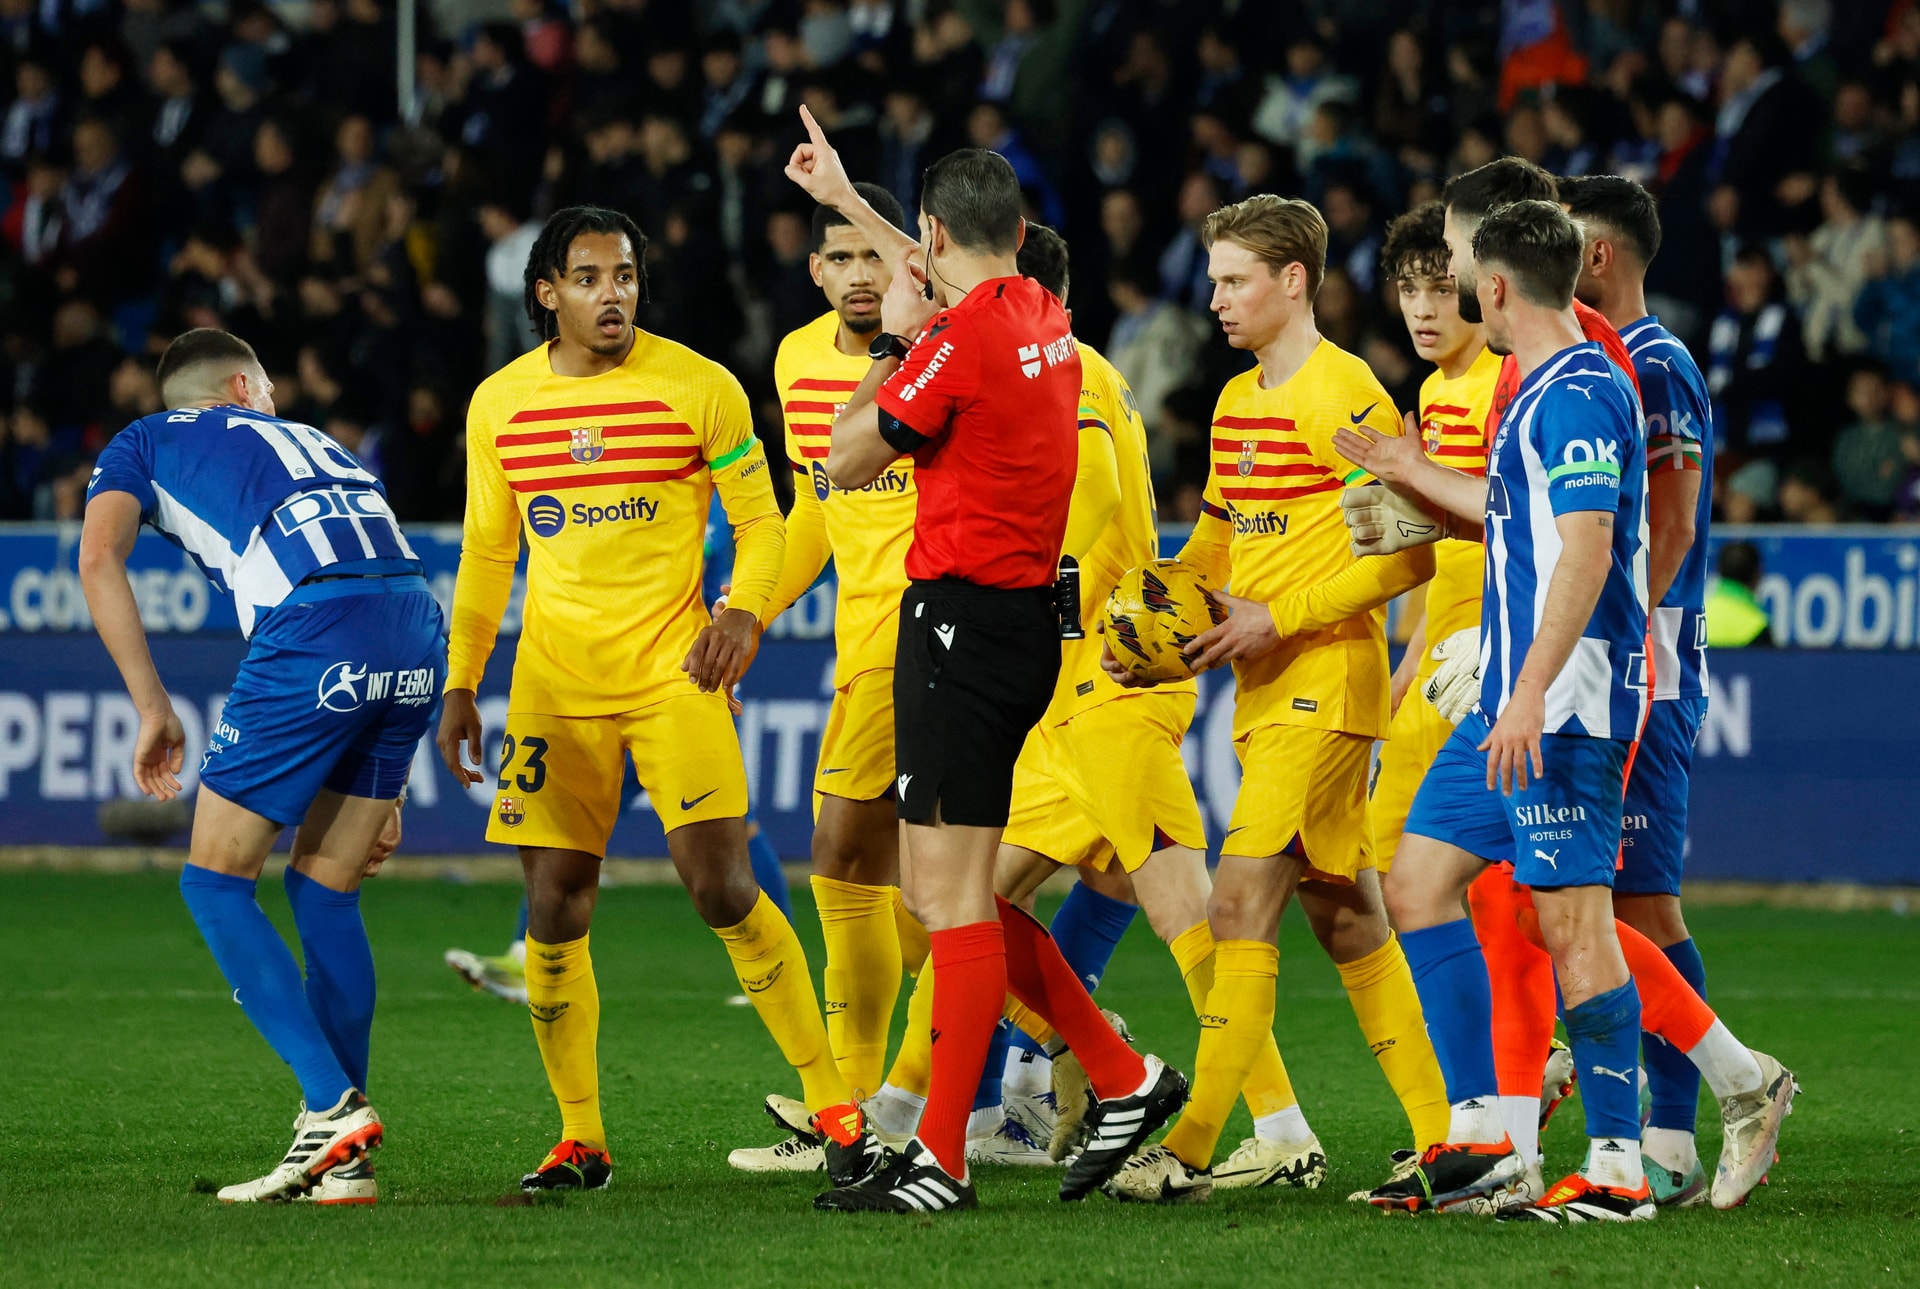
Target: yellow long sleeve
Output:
[
  {"x": 738, "y": 465},
  {"x": 1206, "y": 551},
  {"x": 489, "y": 548},
  {"x": 1096, "y": 492},
  {"x": 807, "y": 550},
  {"x": 1363, "y": 585}
]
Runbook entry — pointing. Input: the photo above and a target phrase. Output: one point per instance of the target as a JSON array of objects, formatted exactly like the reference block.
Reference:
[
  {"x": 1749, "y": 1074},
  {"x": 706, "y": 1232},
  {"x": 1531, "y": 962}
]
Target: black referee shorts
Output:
[{"x": 975, "y": 672}]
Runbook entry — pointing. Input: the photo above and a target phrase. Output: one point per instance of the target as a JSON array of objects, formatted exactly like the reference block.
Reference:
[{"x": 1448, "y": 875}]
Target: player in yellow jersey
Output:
[
  {"x": 1101, "y": 786},
  {"x": 1455, "y": 401},
  {"x": 866, "y": 532},
  {"x": 1306, "y": 637},
  {"x": 605, "y": 444}
]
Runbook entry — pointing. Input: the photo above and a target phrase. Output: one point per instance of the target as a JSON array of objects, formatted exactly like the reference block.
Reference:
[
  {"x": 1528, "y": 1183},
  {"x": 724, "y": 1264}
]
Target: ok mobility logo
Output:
[{"x": 547, "y": 515}]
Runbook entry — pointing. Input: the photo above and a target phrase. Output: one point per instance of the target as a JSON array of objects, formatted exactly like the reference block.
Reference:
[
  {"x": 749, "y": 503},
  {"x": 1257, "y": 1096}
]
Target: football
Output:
[{"x": 1154, "y": 611}]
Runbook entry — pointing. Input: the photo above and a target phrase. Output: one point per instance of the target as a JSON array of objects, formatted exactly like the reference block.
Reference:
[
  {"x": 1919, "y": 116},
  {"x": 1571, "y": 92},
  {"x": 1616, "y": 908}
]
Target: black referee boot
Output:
[{"x": 1121, "y": 1125}]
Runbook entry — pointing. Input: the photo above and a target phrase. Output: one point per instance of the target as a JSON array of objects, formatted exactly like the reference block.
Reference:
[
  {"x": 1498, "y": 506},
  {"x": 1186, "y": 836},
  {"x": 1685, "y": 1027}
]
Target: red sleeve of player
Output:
[{"x": 938, "y": 378}]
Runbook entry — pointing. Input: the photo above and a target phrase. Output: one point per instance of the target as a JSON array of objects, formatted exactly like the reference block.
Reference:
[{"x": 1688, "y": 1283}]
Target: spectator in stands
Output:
[
  {"x": 1183, "y": 263},
  {"x": 724, "y": 81},
  {"x": 1155, "y": 344},
  {"x": 1408, "y": 107},
  {"x": 988, "y": 127},
  {"x": 284, "y": 204},
  {"x": 1763, "y": 152},
  {"x": 510, "y": 236},
  {"x": 1827, "y": 269},
  {"x": 1806, "y": 494},
  {"x": 350, "y": 208},
  {"x": 110, "y": 91},
  {"x": 1291, "y": 95},
  {"x": 1755, "y": 361},
  {"x": 906, "y": 135},
  {"x": 1870, "y": 456},
  {"x": 1735, "y": 617},
  {"x": 32, "y": 123},
  {"x": 1888, "y": 311},
  {"x": 108, "y": 237}
]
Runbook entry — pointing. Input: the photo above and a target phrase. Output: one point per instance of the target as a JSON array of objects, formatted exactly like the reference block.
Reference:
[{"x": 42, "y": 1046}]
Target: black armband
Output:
[{"x": 900, "y": 436}]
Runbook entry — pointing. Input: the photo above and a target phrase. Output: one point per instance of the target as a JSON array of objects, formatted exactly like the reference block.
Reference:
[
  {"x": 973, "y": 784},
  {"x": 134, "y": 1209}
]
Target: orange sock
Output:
[
  {"x": 1669, "y": 1006},
  {"x": 1522, "y": 977}
]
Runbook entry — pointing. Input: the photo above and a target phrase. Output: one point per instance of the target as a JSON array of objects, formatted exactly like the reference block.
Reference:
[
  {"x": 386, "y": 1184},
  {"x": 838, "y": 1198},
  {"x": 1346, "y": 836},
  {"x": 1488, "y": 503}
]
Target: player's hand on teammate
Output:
[
  {"x": 1390, "y": 458},
  {"x": 817, "y": 168},
  {"x": 159, "y": 754},
  {"x": 460, "y": 728},
  {"x": 1514, "y": 741},
  {"x": 1248, "y": 632},
  {"x": 723, "y": 651},
  {"x": 904, "y": 309}
]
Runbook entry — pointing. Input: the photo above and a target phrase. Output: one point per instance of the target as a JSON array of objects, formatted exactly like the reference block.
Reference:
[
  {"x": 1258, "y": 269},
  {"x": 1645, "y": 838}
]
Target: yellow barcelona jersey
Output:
[
  {"x": 1130, "y": 539},
  {"x": 610, "y": 477},
  {"x": 1453, "y": 422},
  {"x": 1271, "y": 527},
  {"x": 866, "y": 530}
]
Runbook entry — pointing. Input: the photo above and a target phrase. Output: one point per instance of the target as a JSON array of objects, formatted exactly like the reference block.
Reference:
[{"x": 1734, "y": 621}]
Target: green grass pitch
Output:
[{"x": 132, "y": 1084}]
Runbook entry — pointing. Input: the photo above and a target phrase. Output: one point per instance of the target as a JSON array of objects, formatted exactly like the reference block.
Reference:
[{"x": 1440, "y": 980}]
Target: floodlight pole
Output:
[{"x": 406, "y": 39}]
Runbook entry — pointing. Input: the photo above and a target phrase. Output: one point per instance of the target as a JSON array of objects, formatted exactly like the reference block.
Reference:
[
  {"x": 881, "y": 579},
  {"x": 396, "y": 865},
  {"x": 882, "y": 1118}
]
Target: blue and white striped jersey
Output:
[
  {"x": 1679, "y": 437},
  {"x": 259, "y": 503},
  {"x": 1571, "y": 440}
]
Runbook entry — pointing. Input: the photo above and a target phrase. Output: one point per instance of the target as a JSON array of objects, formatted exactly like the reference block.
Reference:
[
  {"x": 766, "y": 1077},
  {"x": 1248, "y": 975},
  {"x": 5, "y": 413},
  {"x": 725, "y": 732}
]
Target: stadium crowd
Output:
[{"x": 168, "y": 165}]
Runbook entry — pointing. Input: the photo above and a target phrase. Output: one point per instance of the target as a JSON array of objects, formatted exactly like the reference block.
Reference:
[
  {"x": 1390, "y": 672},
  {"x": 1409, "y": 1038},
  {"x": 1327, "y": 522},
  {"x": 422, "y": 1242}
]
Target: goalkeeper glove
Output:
[
  {"x": 1455, "y": 686},
  {"x": 1380, "y": 521}
]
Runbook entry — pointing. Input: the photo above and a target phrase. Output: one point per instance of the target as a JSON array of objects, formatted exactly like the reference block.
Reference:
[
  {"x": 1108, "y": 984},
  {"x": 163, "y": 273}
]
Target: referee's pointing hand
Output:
[
  {"x": 1248, "y": 632},
  {"x": 816, "y": 167}
]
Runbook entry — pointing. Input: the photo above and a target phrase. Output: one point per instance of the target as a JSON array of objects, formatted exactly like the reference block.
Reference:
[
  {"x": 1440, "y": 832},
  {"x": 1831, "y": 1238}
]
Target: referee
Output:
[{"x": 976, "y": 375}]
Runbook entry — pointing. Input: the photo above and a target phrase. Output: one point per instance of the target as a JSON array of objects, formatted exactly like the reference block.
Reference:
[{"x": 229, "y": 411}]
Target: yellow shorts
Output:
[
  {"x": 1108, "y": 783},
  {"x": 1303, "y": 792},
  {"x": 1413, "y": 740},
  {"x": 856, "y": 748},
  {"x": 560, "y": 776}
]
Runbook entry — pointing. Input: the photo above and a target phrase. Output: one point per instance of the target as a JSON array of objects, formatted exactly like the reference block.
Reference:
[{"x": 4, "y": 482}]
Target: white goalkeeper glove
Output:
[
  {"x": 1380, "y": 521},
  {"x": 1455, "y": 687}
]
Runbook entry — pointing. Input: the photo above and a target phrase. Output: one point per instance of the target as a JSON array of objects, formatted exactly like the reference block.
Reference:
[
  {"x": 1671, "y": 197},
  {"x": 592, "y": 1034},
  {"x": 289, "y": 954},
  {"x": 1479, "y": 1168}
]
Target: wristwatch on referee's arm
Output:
[{"x": 888, "y": 345}]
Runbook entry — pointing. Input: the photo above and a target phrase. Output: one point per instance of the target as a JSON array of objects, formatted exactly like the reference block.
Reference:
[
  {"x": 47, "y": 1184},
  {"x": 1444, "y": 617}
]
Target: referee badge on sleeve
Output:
[{"x": 513, "y": 811}]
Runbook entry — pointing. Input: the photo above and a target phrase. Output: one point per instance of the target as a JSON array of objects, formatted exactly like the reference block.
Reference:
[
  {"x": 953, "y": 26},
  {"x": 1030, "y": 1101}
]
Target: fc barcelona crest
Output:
[
  {"x": 513, "y": 811},
  {"x": 1247, "y": 448},
  {"x": 587, "y": 445}
]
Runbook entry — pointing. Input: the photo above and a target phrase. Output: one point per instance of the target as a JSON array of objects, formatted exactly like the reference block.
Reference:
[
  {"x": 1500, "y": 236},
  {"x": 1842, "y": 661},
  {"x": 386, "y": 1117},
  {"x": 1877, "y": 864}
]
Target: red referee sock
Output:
[
  {"x": 969, "y": 993},
  {"x": 1039, "y": 977}
]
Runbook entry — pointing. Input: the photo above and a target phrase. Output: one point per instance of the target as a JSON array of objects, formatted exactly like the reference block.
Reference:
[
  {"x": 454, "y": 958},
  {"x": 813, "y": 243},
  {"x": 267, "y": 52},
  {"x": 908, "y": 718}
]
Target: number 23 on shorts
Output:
[{"x": 533, "y": 751}]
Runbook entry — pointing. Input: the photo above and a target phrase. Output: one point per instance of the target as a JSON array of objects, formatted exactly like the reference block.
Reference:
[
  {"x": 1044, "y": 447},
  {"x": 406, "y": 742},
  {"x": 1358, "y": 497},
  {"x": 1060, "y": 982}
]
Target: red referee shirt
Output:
[
  {"x": 1597, "y": 328},
  {"x": 991, "y": 389}
]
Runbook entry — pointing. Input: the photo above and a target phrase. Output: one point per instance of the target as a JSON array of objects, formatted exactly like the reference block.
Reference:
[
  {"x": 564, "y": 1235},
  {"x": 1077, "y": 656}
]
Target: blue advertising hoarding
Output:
[{"x": 1804, "y": 769}]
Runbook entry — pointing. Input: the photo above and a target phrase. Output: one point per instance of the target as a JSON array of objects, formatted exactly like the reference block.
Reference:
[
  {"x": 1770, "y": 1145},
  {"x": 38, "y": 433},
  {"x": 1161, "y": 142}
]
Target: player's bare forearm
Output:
[
  {"x": 1409, "y": 667},
  {"x": 106, "y": 540},
  {"x": 1462, "y": 496},
  {"x": 460, "y": 731},
  {"x": 857, "y": 455},
  {"x": 1672, "y": 499},
  {"x": 1579, "y": 575}
]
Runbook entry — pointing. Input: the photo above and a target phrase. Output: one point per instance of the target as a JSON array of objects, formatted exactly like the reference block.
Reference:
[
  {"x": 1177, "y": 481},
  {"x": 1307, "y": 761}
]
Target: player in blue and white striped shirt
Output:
[
  {"x": 1622, "y": 229},
  {"x": 344, "y": 668},
  {"x": 1535, "y": 774}
]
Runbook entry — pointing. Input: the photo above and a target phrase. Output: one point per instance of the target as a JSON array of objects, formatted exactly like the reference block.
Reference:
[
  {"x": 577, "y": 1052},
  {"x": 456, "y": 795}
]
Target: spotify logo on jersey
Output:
[{"x": 546, "y": 516}]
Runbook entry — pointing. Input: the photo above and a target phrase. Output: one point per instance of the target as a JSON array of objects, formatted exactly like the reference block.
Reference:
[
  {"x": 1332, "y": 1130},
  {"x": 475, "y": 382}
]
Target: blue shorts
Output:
[
  {"x": 339, "y": 684},
  {"x": 1562, "y": 829},
  {"x": 1654, "y": 845}
]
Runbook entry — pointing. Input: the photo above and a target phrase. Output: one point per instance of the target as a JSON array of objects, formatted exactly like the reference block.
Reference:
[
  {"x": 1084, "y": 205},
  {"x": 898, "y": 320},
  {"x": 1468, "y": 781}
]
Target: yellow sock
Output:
[
  {"x": 913, "y": 1063},
  {"x": 1238, "y": 1010},
  {"x": 1268, "y": 1088},
  {"x": 1028, "y": 1021},
  {"x": 565, "y": 1004},
  {"x": 1380, "y": 987},
  {"x": 862, "y": 979},
  {"x": 914, "y": 945},
  {"x": 772, "y": 968}
]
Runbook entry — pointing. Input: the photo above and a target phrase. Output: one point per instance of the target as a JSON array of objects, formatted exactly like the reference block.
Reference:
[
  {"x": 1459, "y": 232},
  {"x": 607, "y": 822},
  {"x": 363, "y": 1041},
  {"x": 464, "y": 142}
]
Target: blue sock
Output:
[
  {"x": 520, "y": 927},
  {"x": 340, "y": 985},
  {"x": 1450, "y": 975},
  {"x": 265, "y": 980},
  {"x": 987, "y": 1094},
  {"x": 1088, "y": 927},
  {"x": 1604, "y": 1032},
  {"x": 1673, "y": 1080},
  {"x": 767, "y": 871}
]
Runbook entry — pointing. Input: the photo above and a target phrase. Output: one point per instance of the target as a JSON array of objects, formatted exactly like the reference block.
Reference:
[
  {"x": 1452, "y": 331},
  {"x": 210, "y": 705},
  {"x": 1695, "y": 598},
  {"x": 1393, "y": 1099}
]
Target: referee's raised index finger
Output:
[{"x": 814, "y": 131}]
